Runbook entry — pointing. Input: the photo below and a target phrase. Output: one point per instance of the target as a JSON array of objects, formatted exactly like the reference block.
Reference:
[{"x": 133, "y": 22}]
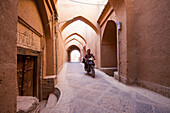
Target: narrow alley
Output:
[{"x": 80, "y": 93}]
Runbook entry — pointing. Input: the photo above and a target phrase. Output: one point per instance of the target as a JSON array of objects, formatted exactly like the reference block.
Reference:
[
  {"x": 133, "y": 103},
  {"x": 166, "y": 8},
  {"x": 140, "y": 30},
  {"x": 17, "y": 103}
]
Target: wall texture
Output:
[
  {"x": 119, "y": 15},
  {"x": 152, "y": 31},
  {"x": 61, "y": 52},
  {"x": 28, "y": 11},
  {"x": 8, "y": 53},
  {"x": 109, "y": 46},
  {"x": 144, "y": 42}
]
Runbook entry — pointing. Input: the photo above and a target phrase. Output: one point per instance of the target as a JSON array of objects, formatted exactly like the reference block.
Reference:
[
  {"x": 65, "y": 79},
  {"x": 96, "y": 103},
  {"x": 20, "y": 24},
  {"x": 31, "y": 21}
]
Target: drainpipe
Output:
[
  {"x": 119, "y": 53},
  {"x": 119, "y": 27}
]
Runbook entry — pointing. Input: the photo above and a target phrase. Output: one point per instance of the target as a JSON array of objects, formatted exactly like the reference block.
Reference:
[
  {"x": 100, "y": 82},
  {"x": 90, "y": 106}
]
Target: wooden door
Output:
[
  {"x": 20, "y": 72},
  {"x": 25, "y": 75},
  {"x": 28, "y": 76}
]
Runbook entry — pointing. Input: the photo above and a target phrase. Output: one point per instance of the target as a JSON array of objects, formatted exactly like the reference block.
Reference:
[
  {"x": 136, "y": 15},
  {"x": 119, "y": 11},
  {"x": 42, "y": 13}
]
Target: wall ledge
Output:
[{"x": 163, "y": 90}]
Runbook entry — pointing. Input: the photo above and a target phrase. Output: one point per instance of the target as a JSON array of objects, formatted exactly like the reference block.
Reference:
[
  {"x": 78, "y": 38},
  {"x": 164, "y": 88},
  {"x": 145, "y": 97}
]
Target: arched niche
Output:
[{"x": 109, "y": 45}]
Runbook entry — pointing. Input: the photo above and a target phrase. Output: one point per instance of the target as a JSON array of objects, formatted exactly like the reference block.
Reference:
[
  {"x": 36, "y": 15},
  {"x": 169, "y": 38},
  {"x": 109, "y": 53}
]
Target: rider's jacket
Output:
[{"x": 89, "y": 55}]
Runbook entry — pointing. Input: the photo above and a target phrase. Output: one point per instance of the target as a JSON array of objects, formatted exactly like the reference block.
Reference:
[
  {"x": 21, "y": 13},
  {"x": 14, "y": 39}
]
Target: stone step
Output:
[
  {"x": 43, "y": 104},
  {"x": 52, "y": 101},
  {"x": 109, "y": 70},
  {"x": 27, "y": 104}
]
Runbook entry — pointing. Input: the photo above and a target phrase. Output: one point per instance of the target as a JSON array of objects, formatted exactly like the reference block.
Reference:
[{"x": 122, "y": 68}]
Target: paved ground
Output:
[{"x": 81, "y": 93}]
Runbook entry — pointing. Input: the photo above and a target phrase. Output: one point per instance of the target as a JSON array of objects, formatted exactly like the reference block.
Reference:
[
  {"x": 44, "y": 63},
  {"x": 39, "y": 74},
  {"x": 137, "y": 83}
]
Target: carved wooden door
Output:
[
  {"x": 20, "y": 72},
  {"x": 25, "y": 74},
  {"x": 28, "y": 76}
]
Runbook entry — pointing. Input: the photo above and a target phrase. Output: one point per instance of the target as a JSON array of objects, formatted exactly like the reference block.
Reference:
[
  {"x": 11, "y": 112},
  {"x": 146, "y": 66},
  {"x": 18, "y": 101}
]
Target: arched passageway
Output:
[
  {"x": 76, "y": 34},
  {"x": 70, "y": 50},
  {"x": 83, "y": 19},
  {"x": 75, "y": 56},
  {"x": 109, "y": 46},
  {"x": 73, "y": 40}
]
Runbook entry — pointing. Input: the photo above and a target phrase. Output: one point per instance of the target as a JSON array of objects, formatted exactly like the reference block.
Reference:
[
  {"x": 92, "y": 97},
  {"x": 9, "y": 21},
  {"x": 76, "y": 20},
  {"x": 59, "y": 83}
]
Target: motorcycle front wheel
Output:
[{"x": 93, "y": 72}]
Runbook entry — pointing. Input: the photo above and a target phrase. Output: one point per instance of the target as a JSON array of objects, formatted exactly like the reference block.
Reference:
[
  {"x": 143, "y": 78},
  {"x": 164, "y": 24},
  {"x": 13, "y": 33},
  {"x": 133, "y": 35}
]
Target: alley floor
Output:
[{"x": 80, "y": 93}]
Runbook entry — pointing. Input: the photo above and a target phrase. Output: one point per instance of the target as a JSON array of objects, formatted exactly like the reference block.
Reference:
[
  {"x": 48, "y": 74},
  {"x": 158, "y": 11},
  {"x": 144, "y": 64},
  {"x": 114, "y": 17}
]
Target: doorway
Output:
[
  {"x": 75, "y": 56},
  {"x": 70, "y": 50},
  {"x": 26, "y": 75}
]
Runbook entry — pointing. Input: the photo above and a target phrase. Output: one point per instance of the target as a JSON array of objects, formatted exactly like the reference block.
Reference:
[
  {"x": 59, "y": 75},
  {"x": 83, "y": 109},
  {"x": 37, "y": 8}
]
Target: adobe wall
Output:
[
  {"x": 28, "y": 11},
  {"x": 8, "y": 53},
  {"x": 119, "y": 15},
  {"x": 109, "y": 45},
  {"x": 50, "y": 60},
  {"x": 61, "y": 52},
  {"x": 153, "y": 44}
]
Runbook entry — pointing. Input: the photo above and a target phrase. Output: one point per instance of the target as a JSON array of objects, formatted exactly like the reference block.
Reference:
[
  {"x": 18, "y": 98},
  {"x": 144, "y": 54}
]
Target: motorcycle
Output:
[{"x": 90, "y": 66}]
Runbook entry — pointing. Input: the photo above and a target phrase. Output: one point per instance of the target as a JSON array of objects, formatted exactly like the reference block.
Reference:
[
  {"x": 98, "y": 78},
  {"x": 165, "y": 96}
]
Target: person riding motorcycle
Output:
[{"x": 88, "y": 55}]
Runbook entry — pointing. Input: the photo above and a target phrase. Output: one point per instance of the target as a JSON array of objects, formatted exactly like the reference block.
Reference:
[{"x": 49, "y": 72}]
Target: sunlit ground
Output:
[{"x": 75, "y": 56}]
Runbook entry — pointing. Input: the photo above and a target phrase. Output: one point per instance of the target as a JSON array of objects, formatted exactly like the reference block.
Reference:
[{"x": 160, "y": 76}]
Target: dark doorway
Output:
[{"x": 27, "y": 75}]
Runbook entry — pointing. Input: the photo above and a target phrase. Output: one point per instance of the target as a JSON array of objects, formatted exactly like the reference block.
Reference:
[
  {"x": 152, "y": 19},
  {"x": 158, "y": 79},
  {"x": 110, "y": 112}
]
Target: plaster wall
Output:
[
  {"x": 49, "y": 32},
  {"x": 111, "y": 17},
  {"x": 91, "y": 43},
  {"x": 28, "y": 11},
  {"x": 119, "y": 15},
  {"x": 109, "y": 46},
  {"x": 50, "y": 55},
  {"x": 8, "y": 53},
  {"x": 39, "y": 15},
  {"x": 48, "y": 14},
  {"x": 98, "y": 52},
  {"x": 153, "y": 43},
  {"x": 61, "y": 52}
]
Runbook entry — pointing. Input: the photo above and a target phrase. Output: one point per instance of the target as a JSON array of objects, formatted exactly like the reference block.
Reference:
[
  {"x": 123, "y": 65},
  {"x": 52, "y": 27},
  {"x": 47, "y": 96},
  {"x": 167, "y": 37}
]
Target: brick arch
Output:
[
  {"x": 72, "y": 40},
  {"x": 82, "y": 19},
  {"x": 77, "y": 35}
]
